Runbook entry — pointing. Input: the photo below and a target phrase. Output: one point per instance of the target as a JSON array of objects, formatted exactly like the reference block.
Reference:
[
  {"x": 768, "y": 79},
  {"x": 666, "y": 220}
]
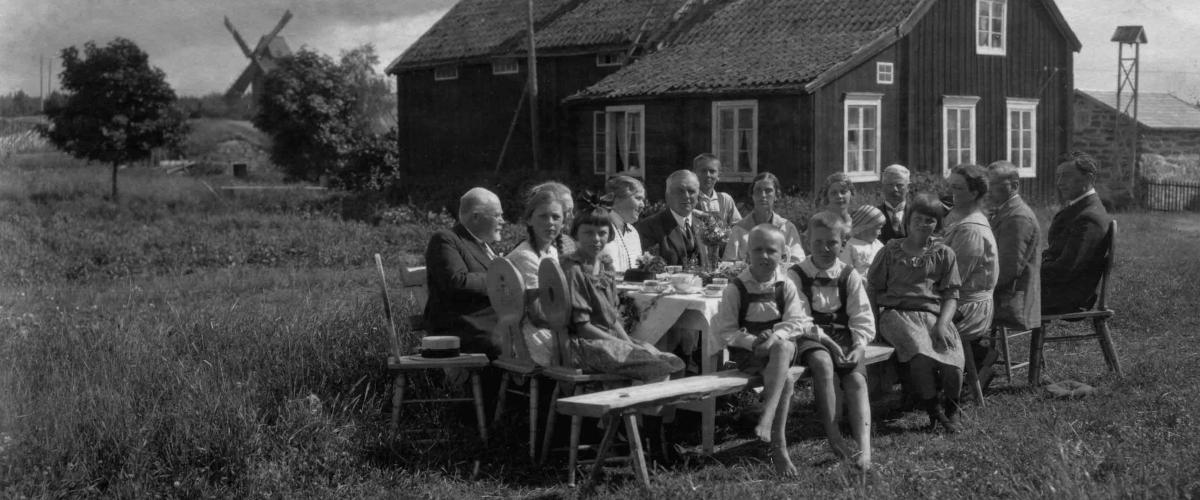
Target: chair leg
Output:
[
  {"x": 550, "y": 417},
  {"x": 1037, "y": 340},
  {"x": 1002, "y": 337},
  {"x": 1106, "y": 344},
  {"x": 573, "y": 451},
  {"x": 533, "y": 416},
  {"x": 501, "y": 397},
  {"x": 397, "y": 403},
  {"x": 635, "y": 449},
  {"x": 477, "y": 391},
  {"x": 610, "y": 434},
  {"x": 972, "y": 373}
]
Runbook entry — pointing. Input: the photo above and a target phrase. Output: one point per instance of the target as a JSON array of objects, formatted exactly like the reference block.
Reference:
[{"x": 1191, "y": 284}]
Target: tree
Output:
[{"x": 117, "y": 107}]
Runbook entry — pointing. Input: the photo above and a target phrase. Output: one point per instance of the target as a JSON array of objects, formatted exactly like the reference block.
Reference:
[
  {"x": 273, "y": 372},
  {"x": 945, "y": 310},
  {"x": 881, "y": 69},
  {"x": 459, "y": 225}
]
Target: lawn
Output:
[{"x": 186, "y": 345}]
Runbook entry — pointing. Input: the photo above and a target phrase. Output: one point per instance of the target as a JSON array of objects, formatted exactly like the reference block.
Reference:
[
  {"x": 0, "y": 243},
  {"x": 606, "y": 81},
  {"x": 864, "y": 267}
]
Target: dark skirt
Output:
[{"x": 844, "y": 339}]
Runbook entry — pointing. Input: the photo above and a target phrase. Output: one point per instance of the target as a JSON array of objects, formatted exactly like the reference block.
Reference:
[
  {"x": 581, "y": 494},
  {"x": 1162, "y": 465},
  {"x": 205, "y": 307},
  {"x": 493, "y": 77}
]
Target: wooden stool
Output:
[
  {"x": 404, "y": 364},
  {"x": 506, "y": 291}
]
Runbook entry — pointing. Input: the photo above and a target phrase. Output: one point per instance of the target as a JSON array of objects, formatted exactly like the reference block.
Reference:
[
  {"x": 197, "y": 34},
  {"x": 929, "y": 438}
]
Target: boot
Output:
[
  {"x": 951, "y": 411},
  {"x": 935, "y": 414}
]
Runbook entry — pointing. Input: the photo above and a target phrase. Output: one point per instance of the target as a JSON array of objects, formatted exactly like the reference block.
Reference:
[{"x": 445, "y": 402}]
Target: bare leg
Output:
[
  {"x": 860, "y": 417},
  {"x": 779, "y": 453},
  {"x": 825, "y": 394},
  {"x": 774, "y": 378}
]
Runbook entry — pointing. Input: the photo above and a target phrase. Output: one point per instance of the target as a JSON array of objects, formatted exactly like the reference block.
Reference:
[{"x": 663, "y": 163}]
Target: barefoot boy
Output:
[
  {"x": 760, "y": 316},
  {"x": 835, "y": 294}
]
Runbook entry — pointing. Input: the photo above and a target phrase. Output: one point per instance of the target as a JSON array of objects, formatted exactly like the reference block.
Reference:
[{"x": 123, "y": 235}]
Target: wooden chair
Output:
[
  {"x": 570, "y": 379},
  {"x": 401, "y": 364},
  {"x": 1099, "y": 314},
  {"x": 506, "y": 291}
]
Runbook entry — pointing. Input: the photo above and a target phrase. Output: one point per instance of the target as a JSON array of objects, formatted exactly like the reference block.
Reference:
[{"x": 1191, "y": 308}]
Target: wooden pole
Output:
[
  {"x": 41, "y": 87},
  {"x": 533, "y": 88}
]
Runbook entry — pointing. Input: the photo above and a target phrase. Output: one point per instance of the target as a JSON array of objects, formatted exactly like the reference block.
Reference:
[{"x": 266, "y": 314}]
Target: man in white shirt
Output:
[{"x": 1077, "y": 240}]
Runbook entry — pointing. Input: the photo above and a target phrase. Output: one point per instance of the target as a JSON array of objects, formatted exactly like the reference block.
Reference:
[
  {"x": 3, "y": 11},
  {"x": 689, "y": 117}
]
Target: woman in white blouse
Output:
[
  {"x": 764, "y": 190},
  {"x": 628, "y": 199}
]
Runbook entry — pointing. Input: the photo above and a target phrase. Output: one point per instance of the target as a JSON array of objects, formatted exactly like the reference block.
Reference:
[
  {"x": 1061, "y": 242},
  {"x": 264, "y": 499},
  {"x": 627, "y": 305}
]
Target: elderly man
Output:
[
  {"x": 674, "y": 231},
  {"x": 456, "y": 261},
  {"x": 894, "y": 183},
  {"x": 1018, "y": 237},
  {"x": 1074, "y": 259}
]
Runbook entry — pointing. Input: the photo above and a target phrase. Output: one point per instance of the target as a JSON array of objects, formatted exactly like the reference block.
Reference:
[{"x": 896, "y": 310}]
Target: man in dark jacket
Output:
[
  {"x": 1017, "y": 297},
  {"x": 456, "y": 263},
  {"x": 894, "y": 183},
  {"x": 674, "y": 232},
  {"x": 1074, "y": 260}
]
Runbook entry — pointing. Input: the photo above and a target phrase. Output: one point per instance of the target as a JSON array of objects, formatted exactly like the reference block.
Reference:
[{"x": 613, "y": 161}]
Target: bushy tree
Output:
[{"x": 117, "y": 108}]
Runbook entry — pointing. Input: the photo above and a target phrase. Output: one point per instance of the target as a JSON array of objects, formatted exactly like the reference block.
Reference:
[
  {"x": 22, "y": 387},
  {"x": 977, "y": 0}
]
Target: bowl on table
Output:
[
  {"x": 686, "y": 283},
  {"x": 652, "y": 286},
  {"x": 714, "y": 290}
]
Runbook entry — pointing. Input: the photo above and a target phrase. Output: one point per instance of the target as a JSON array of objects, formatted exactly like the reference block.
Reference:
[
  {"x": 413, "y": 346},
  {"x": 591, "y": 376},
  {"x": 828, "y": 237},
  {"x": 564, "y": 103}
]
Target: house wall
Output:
[{"x": 938, "y": 58}]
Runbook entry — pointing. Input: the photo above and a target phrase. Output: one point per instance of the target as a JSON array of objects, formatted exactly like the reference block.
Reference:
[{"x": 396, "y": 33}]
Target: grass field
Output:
[{"x": 185, "y": 345}]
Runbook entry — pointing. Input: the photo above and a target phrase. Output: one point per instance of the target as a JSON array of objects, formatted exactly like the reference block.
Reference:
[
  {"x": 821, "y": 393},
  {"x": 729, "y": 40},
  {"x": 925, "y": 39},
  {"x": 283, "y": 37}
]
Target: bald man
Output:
[
  {"x": 456, "y": 261},
  {"x": 674, "y": 231}
]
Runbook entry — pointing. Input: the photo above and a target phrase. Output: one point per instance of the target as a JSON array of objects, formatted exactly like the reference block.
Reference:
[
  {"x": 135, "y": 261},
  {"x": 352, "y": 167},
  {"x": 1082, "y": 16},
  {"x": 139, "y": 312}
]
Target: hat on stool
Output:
[{"x": 440, "y": 346}]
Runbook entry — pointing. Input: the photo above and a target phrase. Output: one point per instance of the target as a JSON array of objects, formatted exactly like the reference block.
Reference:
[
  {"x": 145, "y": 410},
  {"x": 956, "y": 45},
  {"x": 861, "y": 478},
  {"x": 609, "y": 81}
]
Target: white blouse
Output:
[{"x": 624, "y": 249}]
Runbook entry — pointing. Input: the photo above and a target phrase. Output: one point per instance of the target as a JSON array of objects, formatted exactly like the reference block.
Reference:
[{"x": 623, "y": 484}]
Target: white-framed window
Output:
[
  {"x": 447, "y": 72},
  {"x": 735, "y": 137},
  {"x": 1022, "y": 135},
  {"x": 863, "y": 123},
  {"x": 599, "y": 124},
  {"x": 507, "y": 66},
  {"x": 625, "y": 139},
  {"x": 610, "y": 59},
  {"x": 958, "y": 131},
  {"x": 990, "y": 27},
  {"x": 885, "y": 73}
]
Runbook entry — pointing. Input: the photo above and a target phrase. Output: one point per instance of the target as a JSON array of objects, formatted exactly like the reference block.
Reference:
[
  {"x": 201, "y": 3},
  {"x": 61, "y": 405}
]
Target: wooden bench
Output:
[{"x": 623, "y": 404}]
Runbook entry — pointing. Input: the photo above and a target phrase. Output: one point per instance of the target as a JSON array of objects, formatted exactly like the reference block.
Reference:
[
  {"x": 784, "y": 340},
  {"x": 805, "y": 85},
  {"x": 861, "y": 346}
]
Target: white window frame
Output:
[
  {"x": 983, "y": 26},
  {"x": 729, "y": 169},
  {"x": 885, "y": 73},
  {"x": 506, "y": 66},
  {"x": 610, "y": 153},
  {"x": 958, "y": 104},
  {"x": 1018, "y": 105},
  {"x": 607, "y": 59},
  {"x": 445, "y": 72},
  {"x": 853, "y": 103},
  {"x": 599, "y": 135}
]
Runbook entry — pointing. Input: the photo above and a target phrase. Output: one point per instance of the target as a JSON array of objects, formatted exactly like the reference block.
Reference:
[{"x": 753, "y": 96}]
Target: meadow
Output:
[{"x": 184, "y": 344}]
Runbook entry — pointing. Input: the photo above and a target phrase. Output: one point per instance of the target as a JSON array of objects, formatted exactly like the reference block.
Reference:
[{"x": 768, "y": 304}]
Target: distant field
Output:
[{"x": 187, "y": 345}]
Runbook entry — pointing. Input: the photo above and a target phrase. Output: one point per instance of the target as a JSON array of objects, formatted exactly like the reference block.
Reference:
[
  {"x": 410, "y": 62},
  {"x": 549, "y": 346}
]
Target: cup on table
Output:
[
  {"x": 720, "y": 281},
  {"x": 713, "y": 290},
  {"x": 651, "y": 286},
  {"x": 674, "y": 269}
]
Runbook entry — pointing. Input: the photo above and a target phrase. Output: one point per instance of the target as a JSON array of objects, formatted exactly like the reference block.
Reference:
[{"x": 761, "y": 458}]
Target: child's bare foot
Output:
[
  {"x": 763, "y": 429},
  {"x": 783, "y": 462},
  {"x": 863, "y": 462}
]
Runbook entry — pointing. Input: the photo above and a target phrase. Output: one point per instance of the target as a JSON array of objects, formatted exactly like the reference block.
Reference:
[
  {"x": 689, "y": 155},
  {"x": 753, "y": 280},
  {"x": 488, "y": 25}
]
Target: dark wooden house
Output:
[{"x": 800, "y": 88}]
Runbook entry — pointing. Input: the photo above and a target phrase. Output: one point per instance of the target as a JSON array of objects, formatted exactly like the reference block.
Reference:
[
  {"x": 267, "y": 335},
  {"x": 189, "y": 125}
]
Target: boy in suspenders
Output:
[
  {"x": 760, "y": 316},
  {"x": 835, "y": 294}
]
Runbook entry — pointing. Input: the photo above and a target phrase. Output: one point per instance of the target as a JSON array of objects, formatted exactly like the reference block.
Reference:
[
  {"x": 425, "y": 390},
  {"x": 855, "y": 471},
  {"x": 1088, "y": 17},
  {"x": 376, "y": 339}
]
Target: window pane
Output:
[
  {"x": 1027, "y": 120},
  {"x": 635, "y": 122},
  {"x": 998, "y": 10},
  {"x": 952, "y": 119},
  {"x": 743, "y": 164},
  {"x": 869, "y": 117},
  {"x": 726, "y": 119},
  {"x": 1027, "y": 158},
  {"x": 852, "y": 118},
  {"x": 868, "y": 143},
  {"x": 868, "y": 163},
  {"x": 1026, "y": 138},
  {"x": 745, "y": 118},
  {"x": 996, "y": 41},
  {"x": 966, "y": 138},
  {"x": 853, "y": 162}
]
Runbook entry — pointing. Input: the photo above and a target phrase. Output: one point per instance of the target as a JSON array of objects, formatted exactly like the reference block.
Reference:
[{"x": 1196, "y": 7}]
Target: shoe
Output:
[
  {"x": 934, "y": 409},
  {"x": 951, "y": 411}
]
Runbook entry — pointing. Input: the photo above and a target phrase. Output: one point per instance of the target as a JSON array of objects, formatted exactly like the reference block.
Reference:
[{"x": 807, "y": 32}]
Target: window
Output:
[
  {"x": 735, "y": 137},
  {"x": 885, "y": 73},
  {"x": 989, "y": 27},
  {"x": 445, "y": 73},
  {"x": 625, "y": 139},
  {"x": 958, "y": 131},
  {"x": 599, "y": 164},
  {"x": 862, "y": 126},
  {"x": 610, "y": 59},
  {"x": 1022, "y": 135},
  {"x": 505, "y": 67}
]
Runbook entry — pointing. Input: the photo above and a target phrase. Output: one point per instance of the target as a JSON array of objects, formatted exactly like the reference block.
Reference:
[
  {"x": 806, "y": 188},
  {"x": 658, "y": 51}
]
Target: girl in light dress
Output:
[{"x": 765, "y": 191}]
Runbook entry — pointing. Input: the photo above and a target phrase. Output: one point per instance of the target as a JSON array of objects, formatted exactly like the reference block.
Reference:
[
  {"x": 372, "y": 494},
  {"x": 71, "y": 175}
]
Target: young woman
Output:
[
  {"x": 764, "y": 190},
  {"x": 969, "y": 234},
  {"x": 544, "y": 217}
]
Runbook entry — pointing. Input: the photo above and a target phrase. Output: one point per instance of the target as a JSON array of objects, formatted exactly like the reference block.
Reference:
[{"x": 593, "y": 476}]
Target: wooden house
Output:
[{"x": 805, "y": 88}]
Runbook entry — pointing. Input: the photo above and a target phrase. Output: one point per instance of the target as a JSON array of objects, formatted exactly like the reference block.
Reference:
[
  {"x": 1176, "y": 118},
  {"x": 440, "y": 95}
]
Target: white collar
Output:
[
  {"x": 682, "y": 221},
  {"x": 477, "y": 238},
  {"x": 712, "y": 196},
  {"x": 811, "y": 268},
  {"x": 748, "y": 278},
  {"x": 1089, "y": 192},
  {"x": 895, "y": 208}
]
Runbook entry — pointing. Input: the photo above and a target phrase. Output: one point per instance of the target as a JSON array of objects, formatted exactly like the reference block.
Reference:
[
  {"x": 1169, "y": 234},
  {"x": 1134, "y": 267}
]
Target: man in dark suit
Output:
[
  {"x": 1017, "y": 297},
  {"x": 456, "y": 263},
  {"x": 674, "y": 232},
  {"x": 894, "y": 183},
  {"x": 1074, "y": 259}
]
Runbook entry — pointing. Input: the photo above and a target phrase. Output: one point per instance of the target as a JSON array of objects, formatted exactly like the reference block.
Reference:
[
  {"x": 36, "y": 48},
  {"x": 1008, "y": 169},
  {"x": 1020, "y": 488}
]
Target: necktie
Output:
[
  {"x": 688, "y": 238},
  {"x": 491, "y": 255}
]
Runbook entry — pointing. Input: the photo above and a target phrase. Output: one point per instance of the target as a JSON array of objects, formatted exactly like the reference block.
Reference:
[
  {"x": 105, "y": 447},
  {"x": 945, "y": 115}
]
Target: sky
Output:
[{"x": 187, "y": 40}]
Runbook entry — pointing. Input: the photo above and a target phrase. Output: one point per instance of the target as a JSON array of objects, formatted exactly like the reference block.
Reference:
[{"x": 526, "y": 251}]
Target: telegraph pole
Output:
[
  {"x": 41, "y": 88},
  {"x": 533, "y": 88}
]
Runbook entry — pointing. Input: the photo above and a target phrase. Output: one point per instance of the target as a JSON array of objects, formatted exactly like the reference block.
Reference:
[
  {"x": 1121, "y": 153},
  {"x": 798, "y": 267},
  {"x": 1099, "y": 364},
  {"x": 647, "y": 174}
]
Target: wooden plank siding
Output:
[{"x": 938, "y": 58}]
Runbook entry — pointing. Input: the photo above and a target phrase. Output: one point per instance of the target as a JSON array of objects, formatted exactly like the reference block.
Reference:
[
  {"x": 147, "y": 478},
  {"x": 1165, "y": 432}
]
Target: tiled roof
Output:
[
  {"x": 1155, "y": 110},
  {"x": 607, "y": 22},
  {"x": 758, "y": 44}
]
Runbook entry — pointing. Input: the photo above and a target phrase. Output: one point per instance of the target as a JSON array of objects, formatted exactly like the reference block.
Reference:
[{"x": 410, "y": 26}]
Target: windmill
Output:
[{"x": 263, "y": 58}]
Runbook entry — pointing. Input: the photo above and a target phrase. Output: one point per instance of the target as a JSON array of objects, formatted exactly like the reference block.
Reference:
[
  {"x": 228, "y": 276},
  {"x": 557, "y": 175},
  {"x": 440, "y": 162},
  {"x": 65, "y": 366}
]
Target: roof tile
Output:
[{"x": 1155, "y": 110}]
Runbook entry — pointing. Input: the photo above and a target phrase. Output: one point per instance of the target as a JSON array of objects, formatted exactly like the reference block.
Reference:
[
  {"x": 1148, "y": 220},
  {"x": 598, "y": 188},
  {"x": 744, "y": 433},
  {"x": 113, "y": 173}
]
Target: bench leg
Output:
[
  {"x": 708, "y": 424},
  {"x": 477, "y": 391},
  {"x": 1037, "y": 341},
  {"x": 635, "y": 449},
  {"x": 533, "y": 416},
  {"x": 573, "y": 451},
  {"x": 397, "y": 402},
  {"x": 610, "y": 434},
  {"x": 501, "y": 397},
  {"x": 550, "y": 417},
  {"x": 971, "y": 372},
  {"x": 1106, "y": 344},
  {"x": 1002, "y": 340}
]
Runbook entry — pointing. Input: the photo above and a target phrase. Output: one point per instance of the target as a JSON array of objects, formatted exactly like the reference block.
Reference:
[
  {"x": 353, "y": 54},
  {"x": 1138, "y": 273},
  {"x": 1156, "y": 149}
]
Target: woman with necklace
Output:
[
  {"x": 969, "y": 234},
  {"x": 764, "y": 190},
  {"x": 913, "y": 285},
  {"x": 628, "y": 199}
]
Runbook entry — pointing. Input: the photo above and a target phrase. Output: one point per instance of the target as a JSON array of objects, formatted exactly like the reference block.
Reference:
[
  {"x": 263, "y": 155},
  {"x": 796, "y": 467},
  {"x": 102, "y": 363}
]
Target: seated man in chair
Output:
[
  {"x": 456, "y": 261},
  {"x": 1073, "y": 262}
]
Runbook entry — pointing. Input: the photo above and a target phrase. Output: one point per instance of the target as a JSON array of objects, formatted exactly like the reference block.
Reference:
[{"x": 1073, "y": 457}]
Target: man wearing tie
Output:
[
  {"x": 456, "y": 261},
  {"x": 1074, "y": 260},
  {"x": 894, "y": 181},
  {"x": 674, "y": 231}
]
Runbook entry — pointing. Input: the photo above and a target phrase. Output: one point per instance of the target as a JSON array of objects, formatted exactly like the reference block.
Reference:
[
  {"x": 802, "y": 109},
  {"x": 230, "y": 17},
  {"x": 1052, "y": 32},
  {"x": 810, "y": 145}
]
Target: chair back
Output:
[
  {"x": 1110, "y": 243},
  {"x": 416, "y": 286},
  {"x": 555, "y": 300},
  {"x": 390, "y": 325},
  {"x": 506, "y": 291}
]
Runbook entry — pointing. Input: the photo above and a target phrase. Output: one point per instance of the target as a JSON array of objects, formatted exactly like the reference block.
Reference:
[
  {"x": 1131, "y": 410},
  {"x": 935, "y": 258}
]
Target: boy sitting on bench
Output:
[
  {"x": 838, "y": 300},
  {"x": 760, "y": 316}
]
